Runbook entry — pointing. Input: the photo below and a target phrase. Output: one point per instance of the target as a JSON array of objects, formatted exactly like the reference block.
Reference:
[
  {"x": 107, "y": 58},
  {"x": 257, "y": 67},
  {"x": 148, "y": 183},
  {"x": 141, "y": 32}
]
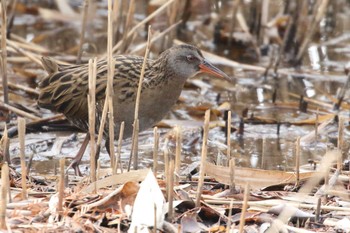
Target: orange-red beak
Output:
[{"x": 207, "y": 67}]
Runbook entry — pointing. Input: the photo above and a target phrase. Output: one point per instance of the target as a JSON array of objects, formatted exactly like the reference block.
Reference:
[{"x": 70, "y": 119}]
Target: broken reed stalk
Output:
[
  {"x": 19, "y": 112},
  {"x": 232, "y": 25},
  {"x": 321, "y": 8},
  {"x": 134, "y": 145},
  {"x": 166, "y": 162},
  {"x": 232, "y": 165},
  {"x": 128, "y": 23},
  {"x": 5, "y": 188},
  {"x": 82, "y": 33},
  {"x": 21, "y": 136},
  {"x": 316, "y": 124},
  {"x": 61, "y": 187},
  {"x": 203, "y": 157},
  {"x": 170, "y": 183},
  {"x": 178, "y": 134},
  {"x": 119, "y": 149},
  {"x": 4, "y": 50},
  {"x": 172, "y": 15},
  {"x": 92, "y": 116},
  {"x": 340, "y": 141},
  {"x": 228, "y": 136},
  {"x": 133, "y": 154},
  {"x": 264, "y": 19},
  {"x": 244, "y": 208},
  {"x": 228, "y": 225},
  {"x": 6, "y": 145},
  {"x": 297, "y": 161},
  {"x": 318, "y": 210},
  {"x": 110, "y": 91},
  {"x": 263, "y": 152},
  {"x": 143, "y": 22},
  {"x": 155, "y": 150}
]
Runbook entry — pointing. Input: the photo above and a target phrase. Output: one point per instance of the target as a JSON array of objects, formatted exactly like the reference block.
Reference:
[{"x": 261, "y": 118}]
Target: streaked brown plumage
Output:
[{"x": 65, "y": 89}]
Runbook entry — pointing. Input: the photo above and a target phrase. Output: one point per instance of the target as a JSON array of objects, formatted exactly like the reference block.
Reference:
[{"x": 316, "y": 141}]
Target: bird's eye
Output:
[{"x": 190, "y": 58}]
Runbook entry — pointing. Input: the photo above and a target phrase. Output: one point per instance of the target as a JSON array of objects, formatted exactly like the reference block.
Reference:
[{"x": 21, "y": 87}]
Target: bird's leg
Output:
[{"x": 77, "y": 159}]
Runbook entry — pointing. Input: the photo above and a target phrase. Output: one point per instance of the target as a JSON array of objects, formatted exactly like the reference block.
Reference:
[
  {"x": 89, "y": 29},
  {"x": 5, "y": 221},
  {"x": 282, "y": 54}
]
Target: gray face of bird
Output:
[{"x": 187, "y": 61}]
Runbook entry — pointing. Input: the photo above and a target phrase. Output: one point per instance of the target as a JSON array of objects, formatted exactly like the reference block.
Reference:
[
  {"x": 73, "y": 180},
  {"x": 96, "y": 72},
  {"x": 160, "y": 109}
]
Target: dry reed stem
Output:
[
  {"x": 19, "y": 112},
  {"x": 270, "y": 204},
  {"x": 32, "y": 56},
  {"x": 341, "y": 125},
  {"x": 170, "y": 184},
  {"x": 82, "y": 33},
  {"x": 119, "y": 149},
  {"x": 244, "y": 208},
  {"x": 178, "y": 131},
  {"x": 203, "y": 157},
  {"x": 61, "y": 187},
  {"x": 21, "y": 136},
  {"x": 133, "y": 154},
  {"x": 232, "y": 24},
  {"x": 135, "y": 145},
  {"x": 110, "y": 91},
  {"x": 92, "y": 116},
  {"x": 321, "y": 8},
  {"x": 318, "y": 210},
  {"x": 141, "y": 48},
  {"x": 155, "y": 150},
  {"x": 297, "y": 161},
  {"x": 5, "y": 188},
  {"x": 115, "y": 16},
  {"x": 143, "y": 22},
  {"x": 4, "y": 50},
  {"x": 6, "y": 145}
]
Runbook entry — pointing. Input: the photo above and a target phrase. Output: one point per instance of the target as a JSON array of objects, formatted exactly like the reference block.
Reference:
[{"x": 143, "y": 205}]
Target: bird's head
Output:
[{"x": 187, "y": 60}]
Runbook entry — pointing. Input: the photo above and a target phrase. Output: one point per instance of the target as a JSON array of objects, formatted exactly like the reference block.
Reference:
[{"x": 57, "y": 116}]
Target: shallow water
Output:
[{"x": 320, "y": 77}]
